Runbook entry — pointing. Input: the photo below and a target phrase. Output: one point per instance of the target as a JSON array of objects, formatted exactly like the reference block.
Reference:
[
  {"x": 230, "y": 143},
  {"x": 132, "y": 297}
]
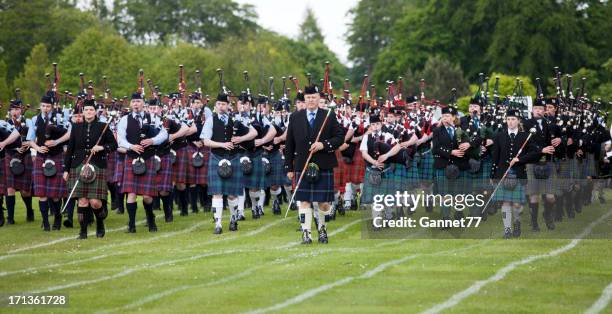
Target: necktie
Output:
[
  {"x": 311, "y": 119},
  {"x": 224, "y": 119},
  {"x": 476, "y": 122},
  {"x": 512, "y": 136},
  {"x": 450, "y": 132},
  {"x": 540, "y": 124},
  {"x": 139, "y": 118}
]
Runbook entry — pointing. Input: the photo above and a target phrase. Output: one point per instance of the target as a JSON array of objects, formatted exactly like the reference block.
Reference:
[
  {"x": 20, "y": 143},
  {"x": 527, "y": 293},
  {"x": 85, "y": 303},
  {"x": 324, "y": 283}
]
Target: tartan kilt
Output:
[
  {"x": 480, "y": 179},
  {"x": 2, "y": 178},
  {"x": 118, "y": 168},
  {"x": 461, "y": 185},
  {"x": 355, "y": 171},
  {"x": 541, "y": 186},
  {"x": 22, "y": 182},
  {"x": 339, "y": 173},
  {"x": 94, "y": 190},
  {"x": 587, "y": 166},
  {"x": 278, "y": 175},
  {"x": 180, "y": 166},
  {"x": 217, "y": 185},
  {"x": 320, "y": 191},
  {"x": 197, "y": 175},
  {"x": 110, "y": 166},
  {"x": 386, "y": 186},
  {"x": 256, "y": 180},
  {"x": 564, "y": 174},
  {"x": 140, "y": 185},
  {"x": 515, "y": 196},
  {"x": 163, "y": 177},
  {"x": 52, "y": 187},
  {"x": 426, "y": 169},
  {"x": 405, "y": 179}
]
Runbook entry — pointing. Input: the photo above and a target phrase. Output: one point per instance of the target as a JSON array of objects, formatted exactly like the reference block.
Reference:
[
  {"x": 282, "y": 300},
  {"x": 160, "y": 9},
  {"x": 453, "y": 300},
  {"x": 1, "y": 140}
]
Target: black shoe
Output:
[
  {"x": 353, "y": 205},
  {"x": 131, "y": 229},
  {"x": 1, "y": 220},
  {"x": 119, "y": 211},
  {"x": 507, "y": 233},
  {"x": 241, "y": 218},
  {"x": 10, "y": 221},
  {"x": 340, "y": 209},
  {"x": 558, "y": 215},
  {"x": 276, "y": 210},
  {"x": 218, "y": 230},
  {"x": 152, "y": 226},
  {"x": 535, "y": 228},
  {"x": 306, "y": 239},
  {"x": 169, "y": 218},
  {"x": 233, "y": 226},
  {"x": 458, "y": 215},
  {"x": 255, "y": 213},
  {"x": 57, "y": 223},
  {"x": 429, "y": 209},
  {"x": 68, "y": 223},
  {"x": 602, "y": 200},
  {"x": 571, "y": 214},
  {"x": 100, "y": 230},
  {"x": 550, "y": 225},
  {"x": 293, "y": 206},
  {"x": 323, "y": 235},
  {"x": 261, "y": 212},
  {"x": 516, "y": 229},
  {"x": 184, "y": 213},
  {"x": 82, "y": 236},
  {"x": 400, "y": 212},
  {"x": 195, "y": 210},
  {"x": 46, "y": 226},
  {"x": 30, "y": 216}
]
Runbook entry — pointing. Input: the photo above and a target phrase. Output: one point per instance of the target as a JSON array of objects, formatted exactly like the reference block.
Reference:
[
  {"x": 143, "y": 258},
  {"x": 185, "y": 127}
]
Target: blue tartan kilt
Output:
[
  {"x": 480, "y": 179},
  {"x": 278, "y": 176},
  {"x": 230, "y": 186},
  {"x": 564, "y": 174},
  {"x": 52, "y": 187},
  {"x": 541, "y": 186},
  {"x": 587, "y": 167},
  {"x": 515, "y": 196},
  {"x": 320, "y": 191},
  {"x": 461, "y": 185},
  {"x": 405, "y": 179},
  {"x": 386, "y": 186},
  {"x": 256, "y": 180},
  {"x": 164, "y": 175},
  {"x": 426, "y": 169}
]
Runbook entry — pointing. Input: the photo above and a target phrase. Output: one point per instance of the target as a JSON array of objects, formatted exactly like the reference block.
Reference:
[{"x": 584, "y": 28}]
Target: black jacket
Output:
[
  {"x": 82, "y": 138},
  {"x": 300, "y": 136},
  {"x": 504, "y": 150},
  {"x": 442, "y": 148},
  {"x": 542, "y": 137}
]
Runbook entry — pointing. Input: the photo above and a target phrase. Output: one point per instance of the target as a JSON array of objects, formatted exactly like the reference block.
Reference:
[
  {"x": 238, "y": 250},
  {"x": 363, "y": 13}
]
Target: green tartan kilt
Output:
[
  {"x": 386, "y": 186},
  {"x": 94, "y": 190},
  {"x": 480, "y": 180},
  {"x": 541, "y": 186},
  {"x": 515, "y": 196},
  {"x": 587, "y": 167},
  {"x": 426, "y": 170},
  {"x": 461, "y": 185},
  {"x": 405, "y": 179}
]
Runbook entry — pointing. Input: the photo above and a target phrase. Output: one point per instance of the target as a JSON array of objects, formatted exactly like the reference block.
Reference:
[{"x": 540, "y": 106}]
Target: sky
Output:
[{"x": 285, "y": 16}]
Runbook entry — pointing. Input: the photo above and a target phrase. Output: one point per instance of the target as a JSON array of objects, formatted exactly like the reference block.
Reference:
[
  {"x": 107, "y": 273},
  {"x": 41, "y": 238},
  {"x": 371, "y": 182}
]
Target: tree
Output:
[
  {"x": 32, "y": 80},
  {"x": 441, "y": 76},
  {"x": 204, "y": 23},
  {"x": 5, "y": 92},
  {"x": 309, "y": 29}
]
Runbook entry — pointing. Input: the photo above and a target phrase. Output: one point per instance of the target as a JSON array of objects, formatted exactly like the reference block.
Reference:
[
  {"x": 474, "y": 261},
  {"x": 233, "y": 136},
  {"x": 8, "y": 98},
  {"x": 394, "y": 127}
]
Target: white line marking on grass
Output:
[
  {"x": 79, "y": 261},
  {"x": 602, "y": 302},
  {"x": 369, "y": 274},
  {"x": 128, "y": 271},
  {"x": 56, "y": 241},
  {"x": 331, "y": 234},
  {"x": 476, "y": 286}
]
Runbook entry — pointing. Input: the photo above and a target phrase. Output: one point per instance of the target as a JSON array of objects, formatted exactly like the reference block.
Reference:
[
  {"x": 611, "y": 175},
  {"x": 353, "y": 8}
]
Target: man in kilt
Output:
[
  {"x": 91, "y": 137},
  {"x": 224, "y": 171},
  {"x": 9, "y": 139},
  {"x": 541, "y": 173},
  {"x": 197, "y": 156},
  {"x": 277, "y": 178},
  {"x": 18, "y": 165},
  {"x": 450, "y": 160},
  {"x": 423, "y": 155},
  {"x": 511, "y": 193},
  {"x": 45, "y": 135},
  {"x": 318, "y": 183},
  {"x": 137, "y": 133}
]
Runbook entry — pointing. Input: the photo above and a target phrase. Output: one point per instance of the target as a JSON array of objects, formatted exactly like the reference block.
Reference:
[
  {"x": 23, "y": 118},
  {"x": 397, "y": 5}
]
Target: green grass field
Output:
[{"x": 263, "y": 268}]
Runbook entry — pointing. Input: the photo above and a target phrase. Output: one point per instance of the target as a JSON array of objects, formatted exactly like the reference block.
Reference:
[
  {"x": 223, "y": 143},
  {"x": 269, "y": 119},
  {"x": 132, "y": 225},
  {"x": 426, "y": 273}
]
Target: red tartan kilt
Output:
[
  {"x": 197, "y": 175},
  {"x": 117, "y": 173},
  {"x": 355, "y": 171},
  {"x": 2, "y": 177},
  {"x": 23, "y": 182},
  {"x": 140, "y": 185},
  {"x": 179, "y": 168},
  {"x": 339, "y": 179},
  {"x": 52, "y": 187},
  {"x": 111, "y": 159},
  {"x": 164, "y": 175}
]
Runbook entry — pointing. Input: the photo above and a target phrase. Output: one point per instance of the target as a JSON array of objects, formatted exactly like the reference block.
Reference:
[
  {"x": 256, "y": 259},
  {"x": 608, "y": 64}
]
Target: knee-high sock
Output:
[
  {"x": 233, "y": 207},
  {"x": 288, "y": 192},
  {"x": 275, "y": 193},
  {"x": 10, "y": 206},
  {"x": 323, "y": 216},
  {"x": 376, "y": 213},
  {"x": 348, "y": 195},
  {"x": 507, "y": 215},
  {"x": 57, "y": 207},
  {"x": 81, "y": 215},
  {"x": 305, "y": 218},
  {"x": 182, "y": 200},
  {"x": 241, "y": 199},
  {"x": 131, "y": 209},
  {"x": 27, "y": 201},
  {"x": 70, "y": 208},
  {"x": 217, "y": 207},
  {"x": 516, "y": 213},
  {"x": 120, "y": 200},
  {"x": 149, "y": 211},
  {"x": 167, "y": 205},
  {"x": 254, "y": 195},
  {"x": 113, "y": 192},
  {"x": 44, "y": 211},
  {"x": 193, "y": 197},
  {"x": 262, "y": 198}
]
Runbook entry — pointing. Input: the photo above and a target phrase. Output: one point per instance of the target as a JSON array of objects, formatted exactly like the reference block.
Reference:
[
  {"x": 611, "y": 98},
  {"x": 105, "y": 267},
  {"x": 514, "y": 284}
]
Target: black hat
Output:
[
  {"x": 539, "y": 102},
  {"x": 411, "y": 99},
  {"x": 279, "y": 106},
  {"x": 513, "y": 113},
  {"x": 153, "y": 102},
  {"x": 196, "y": 96},
  {"x": 223, "y": 98},
  {"x": 300, "y": 96},
  {"x": 262, "y": 100},
  {"x": 136, "y": 96},
  {"x": 78, "y": 108},
  {"x": 47, "y": 98},
  {"x": 476, "y": 101},
  {"x": 551, "y": 101},
  {"x": 311, "y": 89},
  {"x": 244, "y": 97},
  {"x": 89, "y": 102},
  {"x": 449, "y": 109},
  {"x": 15, "y": 104},
  {"x": 374, "y": 118}
]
